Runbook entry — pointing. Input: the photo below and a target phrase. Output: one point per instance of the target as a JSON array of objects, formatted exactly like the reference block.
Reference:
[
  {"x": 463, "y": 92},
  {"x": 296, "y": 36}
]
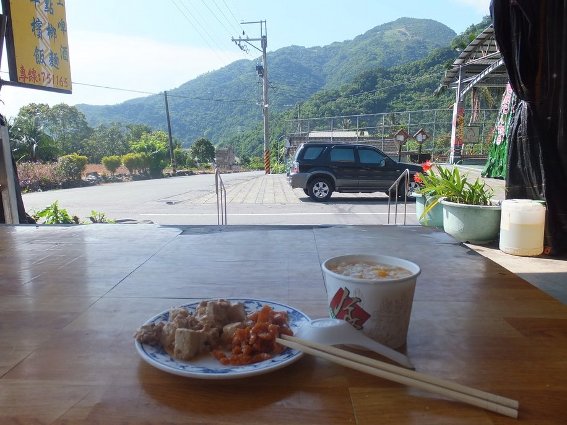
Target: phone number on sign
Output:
[{"x": 35, "y": 76}]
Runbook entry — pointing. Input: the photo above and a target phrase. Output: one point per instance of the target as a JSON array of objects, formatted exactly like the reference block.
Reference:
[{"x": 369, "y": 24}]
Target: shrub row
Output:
[{"x": 66, "y": 172}]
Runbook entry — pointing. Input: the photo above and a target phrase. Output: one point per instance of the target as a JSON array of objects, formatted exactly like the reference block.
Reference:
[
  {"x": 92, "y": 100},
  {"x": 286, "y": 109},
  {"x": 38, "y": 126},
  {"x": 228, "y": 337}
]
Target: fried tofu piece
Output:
[
  {"x": 188, "y": 343},
  {"x": 168, "y": 336}
]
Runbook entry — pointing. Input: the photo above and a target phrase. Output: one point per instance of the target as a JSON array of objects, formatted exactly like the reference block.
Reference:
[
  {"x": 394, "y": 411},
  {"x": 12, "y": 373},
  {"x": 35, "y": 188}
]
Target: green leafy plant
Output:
[
  {"x": 442, "y": 183},
  {"x": 99, "y": 217},
  {"x": 53, "y": 214}
]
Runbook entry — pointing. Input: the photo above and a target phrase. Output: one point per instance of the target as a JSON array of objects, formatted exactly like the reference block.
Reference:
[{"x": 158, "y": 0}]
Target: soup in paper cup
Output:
[{"x": 374, "y": 293}]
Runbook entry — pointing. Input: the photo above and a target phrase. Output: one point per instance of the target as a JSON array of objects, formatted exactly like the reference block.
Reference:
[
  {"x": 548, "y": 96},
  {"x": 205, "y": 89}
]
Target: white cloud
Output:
[{"x": 131, "y": 63}]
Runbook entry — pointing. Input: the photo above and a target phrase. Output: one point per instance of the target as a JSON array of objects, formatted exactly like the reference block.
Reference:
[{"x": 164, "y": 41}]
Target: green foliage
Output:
[
  {"x": 64, "y": 125},
  {"x": 296, "y": 72},
  {"x": 111, "y": 163},
  {"x": 393, "y": 67},
  {"x": 181, "y": 156},
  {"x": 155, "y": 146},
  {"x": 256, "y": 163},
  {"x": 135, "y": 162},
  {"x": 202, "y": 151},
  {"x": 463, "y": 40},
  {"x": 452, "y": 186},
  {"x": 71, "y": 166},
  {"x": 107, "y": 140},
  {"x": 190, "y": 162},
  {"x": 99, "y": 217},
  {"x": 68, "y": 127},
  {"x": 28, "y": 138},
  {"x": 53, "y": 214}
]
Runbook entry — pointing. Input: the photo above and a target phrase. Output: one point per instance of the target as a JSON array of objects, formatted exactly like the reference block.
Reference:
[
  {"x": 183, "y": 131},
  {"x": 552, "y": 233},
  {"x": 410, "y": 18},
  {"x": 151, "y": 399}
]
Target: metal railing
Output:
[
  {"x": 395, "y": 187},
  {"x": 220, "y": 191}
]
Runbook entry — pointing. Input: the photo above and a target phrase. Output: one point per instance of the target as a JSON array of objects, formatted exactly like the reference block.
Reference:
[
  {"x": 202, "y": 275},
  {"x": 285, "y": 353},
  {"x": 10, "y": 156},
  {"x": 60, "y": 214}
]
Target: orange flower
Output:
[
  {"x": 427, "y": 165},
  {"x": 417, "y": 178}
]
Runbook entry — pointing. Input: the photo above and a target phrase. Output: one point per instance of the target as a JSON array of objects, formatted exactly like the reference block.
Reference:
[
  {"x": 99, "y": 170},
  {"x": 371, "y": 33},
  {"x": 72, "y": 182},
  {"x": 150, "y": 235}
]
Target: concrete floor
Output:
[{"x": 545, "y": 272}]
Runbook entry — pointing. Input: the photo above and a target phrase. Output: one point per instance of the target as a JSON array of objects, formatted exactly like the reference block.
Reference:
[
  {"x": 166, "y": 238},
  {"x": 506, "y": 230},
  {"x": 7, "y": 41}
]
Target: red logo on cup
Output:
[{"x": 346, "y": 308}]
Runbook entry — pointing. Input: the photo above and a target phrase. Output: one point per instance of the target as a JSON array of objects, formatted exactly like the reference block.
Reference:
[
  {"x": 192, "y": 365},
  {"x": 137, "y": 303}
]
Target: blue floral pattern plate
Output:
[{"x": 206, "y": 366}]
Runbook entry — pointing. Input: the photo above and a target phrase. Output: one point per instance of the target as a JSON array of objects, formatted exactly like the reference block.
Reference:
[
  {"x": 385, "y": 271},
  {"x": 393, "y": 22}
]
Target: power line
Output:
[
  {"x": 180, "y": 96},
  {"x": 194, "y": 25},
  {"x": 228, "y": 21},
  {"x": 216, "y": 17},
  {"x": 234, "y": 17},
  {"x": 168, "y": 93}
]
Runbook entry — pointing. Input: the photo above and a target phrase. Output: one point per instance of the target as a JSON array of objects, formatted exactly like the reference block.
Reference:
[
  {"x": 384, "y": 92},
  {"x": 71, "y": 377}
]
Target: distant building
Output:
[{"x": 225, "y": 158}]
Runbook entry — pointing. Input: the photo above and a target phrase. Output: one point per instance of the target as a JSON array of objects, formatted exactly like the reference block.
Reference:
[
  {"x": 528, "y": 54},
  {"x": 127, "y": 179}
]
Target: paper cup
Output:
[{"x": 378, "y": 306}]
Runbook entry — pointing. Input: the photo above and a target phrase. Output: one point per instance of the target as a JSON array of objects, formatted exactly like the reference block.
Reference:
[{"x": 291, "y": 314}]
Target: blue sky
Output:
[{"x": 150, "y": 46}]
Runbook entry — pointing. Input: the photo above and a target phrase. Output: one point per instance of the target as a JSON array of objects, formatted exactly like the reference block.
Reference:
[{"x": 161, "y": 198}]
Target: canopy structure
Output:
[{"x": 480, "y": 64}]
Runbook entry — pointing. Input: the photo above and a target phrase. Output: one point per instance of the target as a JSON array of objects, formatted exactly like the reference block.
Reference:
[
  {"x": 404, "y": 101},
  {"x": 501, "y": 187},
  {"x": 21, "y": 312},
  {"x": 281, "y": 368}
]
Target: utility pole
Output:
[
  {"x": 262, "y": 73},
  {"x": 171, "y": 150}
]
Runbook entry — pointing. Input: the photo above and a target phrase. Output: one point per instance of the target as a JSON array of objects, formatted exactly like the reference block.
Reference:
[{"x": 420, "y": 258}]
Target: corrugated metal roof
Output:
[{"x": 480, "y": 64}]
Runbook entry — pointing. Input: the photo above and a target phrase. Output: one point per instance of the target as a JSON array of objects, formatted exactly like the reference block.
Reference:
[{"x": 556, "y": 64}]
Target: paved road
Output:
[{"x": 252, "y": 198}]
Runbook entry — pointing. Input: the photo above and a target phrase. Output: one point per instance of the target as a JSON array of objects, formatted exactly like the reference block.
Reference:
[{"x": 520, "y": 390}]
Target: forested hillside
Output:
[{"x": 223, "y": 105}]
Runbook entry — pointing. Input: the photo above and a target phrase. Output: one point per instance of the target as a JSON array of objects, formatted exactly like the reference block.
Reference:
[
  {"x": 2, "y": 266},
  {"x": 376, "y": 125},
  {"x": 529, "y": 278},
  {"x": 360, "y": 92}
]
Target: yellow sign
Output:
[{"x": 36, "y": 40}]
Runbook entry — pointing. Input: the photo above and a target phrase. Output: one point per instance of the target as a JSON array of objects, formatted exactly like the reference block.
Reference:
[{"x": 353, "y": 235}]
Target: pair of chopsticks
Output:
[{"x": 472, "y": 396}]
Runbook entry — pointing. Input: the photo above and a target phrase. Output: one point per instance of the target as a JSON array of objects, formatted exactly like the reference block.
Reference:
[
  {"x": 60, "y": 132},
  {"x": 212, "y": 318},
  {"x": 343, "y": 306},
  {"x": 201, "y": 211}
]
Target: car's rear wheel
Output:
[{"x": 320, "y": 189}]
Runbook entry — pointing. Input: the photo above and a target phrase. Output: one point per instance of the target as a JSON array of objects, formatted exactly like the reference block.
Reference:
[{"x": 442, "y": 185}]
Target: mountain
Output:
[{"x": 222, "y": 103}]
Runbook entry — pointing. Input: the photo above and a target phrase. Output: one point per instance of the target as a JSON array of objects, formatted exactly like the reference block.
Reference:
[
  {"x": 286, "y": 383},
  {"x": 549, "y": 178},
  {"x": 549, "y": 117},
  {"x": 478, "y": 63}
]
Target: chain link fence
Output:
[{"x": 380, "y": 129}]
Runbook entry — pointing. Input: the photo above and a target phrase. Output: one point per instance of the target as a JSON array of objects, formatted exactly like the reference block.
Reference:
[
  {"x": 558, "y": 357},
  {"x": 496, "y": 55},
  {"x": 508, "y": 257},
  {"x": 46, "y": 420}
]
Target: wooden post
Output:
[{"x": 7, "y": 180}]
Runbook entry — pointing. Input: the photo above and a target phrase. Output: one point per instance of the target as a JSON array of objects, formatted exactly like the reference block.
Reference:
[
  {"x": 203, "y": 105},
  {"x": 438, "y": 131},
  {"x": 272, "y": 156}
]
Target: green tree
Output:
[
  {"x": 28, "y": 138},
  {"x": 107, "y": 140},
  {"x": 156, "y": 146},
  {"x": 135, "y": 131},
  {"x": 202, "y": 151},
  {"x": 68, "y": 127}
]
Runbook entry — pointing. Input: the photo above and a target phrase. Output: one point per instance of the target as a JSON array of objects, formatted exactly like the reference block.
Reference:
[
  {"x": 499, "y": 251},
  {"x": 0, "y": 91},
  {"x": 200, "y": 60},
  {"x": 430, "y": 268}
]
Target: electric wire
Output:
[
  {"x": 194, "y": 25},
  {"x": 201, "y": 18},
  {"x": 229, "y": 31},
  {"x": 234, "y": 17},
  {"x": 169, "y": 94},
  {"x": 228, "y": 21}
]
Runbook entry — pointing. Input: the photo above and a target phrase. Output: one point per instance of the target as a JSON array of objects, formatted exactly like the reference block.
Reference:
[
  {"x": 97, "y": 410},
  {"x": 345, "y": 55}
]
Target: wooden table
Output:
[{"x": 72, "y": 297}]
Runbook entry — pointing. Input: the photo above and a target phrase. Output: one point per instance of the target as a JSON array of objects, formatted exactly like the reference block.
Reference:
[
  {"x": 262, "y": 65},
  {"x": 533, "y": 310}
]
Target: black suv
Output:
[{"x": 322, "y": 168}]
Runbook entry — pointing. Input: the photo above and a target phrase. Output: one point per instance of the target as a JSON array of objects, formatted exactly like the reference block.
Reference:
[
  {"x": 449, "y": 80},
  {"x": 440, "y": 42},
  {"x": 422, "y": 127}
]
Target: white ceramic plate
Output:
[{"x": 207, "y": 367}]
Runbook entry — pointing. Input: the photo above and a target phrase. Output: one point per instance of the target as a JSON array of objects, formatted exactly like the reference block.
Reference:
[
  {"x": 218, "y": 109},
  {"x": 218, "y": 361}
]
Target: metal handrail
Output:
[
  {"x": 405, "y": 175},
  {"x": 220, "y": 191}
]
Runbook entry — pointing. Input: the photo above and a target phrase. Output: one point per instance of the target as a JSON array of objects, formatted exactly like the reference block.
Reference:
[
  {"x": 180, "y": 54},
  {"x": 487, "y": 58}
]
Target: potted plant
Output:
[
  {"x": 428, "y": 210},
  {"x": 468, "y": 211}
]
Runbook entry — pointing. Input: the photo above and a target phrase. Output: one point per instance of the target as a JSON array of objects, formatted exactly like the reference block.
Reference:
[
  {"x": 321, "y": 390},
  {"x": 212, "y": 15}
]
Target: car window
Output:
[
  {"x": 342, "y": 154},
  {"x": 370, "y": 156},
  {"x": 312, "y": 152}
]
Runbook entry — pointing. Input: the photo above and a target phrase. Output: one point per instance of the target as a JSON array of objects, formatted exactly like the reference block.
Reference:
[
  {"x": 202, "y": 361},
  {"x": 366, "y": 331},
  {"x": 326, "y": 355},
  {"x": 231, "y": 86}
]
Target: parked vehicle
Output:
[{"x": 323, "y": 168}]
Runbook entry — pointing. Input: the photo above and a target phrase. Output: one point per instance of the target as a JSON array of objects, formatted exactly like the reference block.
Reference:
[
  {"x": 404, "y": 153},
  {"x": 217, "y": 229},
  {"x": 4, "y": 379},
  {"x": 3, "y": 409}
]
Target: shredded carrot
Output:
[{"x": 256, "y": 342}]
